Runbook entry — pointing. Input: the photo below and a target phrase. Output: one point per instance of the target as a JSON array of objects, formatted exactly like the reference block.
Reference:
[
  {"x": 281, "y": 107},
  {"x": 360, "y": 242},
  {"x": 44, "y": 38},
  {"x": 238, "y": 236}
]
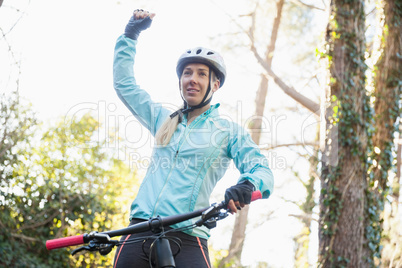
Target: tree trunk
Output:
[
  {"x": 302, "y": 241},
  {"x": 238, "y": 235},
  {"x": 387, "y": 93},
  {"x": 343, "y": 177}
]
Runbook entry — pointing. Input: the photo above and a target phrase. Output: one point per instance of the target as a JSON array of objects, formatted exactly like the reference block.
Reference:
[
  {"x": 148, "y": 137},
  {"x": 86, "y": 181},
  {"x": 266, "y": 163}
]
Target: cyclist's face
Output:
[{"x": 194, "y": 83}]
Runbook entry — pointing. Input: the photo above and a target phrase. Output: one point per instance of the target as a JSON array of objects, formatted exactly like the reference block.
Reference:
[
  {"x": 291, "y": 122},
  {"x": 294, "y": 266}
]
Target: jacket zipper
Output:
[
  {"x": 175, "y": 159},
  {"x": 164, "y": 185}
]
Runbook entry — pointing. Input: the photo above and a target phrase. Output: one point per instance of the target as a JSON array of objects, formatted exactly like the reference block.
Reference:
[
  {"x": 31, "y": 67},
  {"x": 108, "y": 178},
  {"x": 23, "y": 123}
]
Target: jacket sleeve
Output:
[
  {"x": 138, "y": 101},
  {"x": 253, "y": 165}
]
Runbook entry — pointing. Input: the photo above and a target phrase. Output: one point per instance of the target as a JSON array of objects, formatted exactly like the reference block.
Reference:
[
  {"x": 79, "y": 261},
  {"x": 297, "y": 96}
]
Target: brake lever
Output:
[
  {"x": 211, "y": 222},
  {"x": 103, "y": 248},
  {"x": 210, "y": 216},
  {"x": 75, "y": 251}
]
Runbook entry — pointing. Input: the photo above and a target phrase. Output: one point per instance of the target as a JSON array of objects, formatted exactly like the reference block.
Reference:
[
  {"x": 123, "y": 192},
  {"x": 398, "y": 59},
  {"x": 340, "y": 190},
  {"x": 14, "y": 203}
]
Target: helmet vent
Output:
[{"x": 202, "y": 55}]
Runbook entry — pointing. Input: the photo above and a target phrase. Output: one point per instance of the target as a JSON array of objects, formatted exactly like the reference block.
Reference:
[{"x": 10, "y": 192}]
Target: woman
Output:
[{"x": 194, "y": 147}]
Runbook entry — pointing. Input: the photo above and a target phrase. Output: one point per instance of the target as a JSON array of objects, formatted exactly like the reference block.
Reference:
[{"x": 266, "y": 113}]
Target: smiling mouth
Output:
[{"x": 192, "y": 90}]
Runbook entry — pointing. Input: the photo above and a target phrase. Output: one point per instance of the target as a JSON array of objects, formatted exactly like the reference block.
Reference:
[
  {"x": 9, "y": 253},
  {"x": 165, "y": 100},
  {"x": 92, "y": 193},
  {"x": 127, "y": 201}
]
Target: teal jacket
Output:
[{"x": 182, "y": 175}]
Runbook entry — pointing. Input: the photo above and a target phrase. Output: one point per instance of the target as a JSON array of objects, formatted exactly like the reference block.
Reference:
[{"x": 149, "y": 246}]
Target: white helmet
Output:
[{"x": 205, "y": 56}]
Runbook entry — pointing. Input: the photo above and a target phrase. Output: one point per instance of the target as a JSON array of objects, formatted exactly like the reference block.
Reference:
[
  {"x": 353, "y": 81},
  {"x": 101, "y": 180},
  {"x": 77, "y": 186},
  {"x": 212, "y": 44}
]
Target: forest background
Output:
[{"x": 72, "y": 157}]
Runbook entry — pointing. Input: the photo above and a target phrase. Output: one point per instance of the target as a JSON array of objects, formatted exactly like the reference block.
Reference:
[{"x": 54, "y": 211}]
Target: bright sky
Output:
[{"x": 66, "y": 50}]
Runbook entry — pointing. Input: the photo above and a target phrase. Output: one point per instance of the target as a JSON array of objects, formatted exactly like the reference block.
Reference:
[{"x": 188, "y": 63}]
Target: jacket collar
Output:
[{"x": 213, "y": 110}]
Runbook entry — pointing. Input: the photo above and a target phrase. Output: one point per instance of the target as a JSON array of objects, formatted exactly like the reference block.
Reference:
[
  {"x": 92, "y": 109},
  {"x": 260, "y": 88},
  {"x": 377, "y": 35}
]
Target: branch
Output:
[
  {"x": 33, "y": 226},
  {"x": 251, "y": 31},
  {"x": 20, "y": 17},
  {"x": 300, "y": 3},
  {"x": 314, "y": 144},
  {"x": 261, "y": 221},
  {"x": 306, "y": 102},
  {"x": 325, "y": 5},
  {"x": 290, "y": 91},
  {"x": 304, "y": 217},
  {"x": 24, "y": 237},
  {"x": 232, "y": 18}
]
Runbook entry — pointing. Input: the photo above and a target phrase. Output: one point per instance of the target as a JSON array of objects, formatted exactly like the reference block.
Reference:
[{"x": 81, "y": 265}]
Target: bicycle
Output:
[{"x": 164, "y": 258}]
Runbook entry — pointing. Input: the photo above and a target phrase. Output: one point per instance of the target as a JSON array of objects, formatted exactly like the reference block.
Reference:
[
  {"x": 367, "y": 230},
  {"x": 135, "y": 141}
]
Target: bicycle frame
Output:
[{"x": 100, "y": 241}]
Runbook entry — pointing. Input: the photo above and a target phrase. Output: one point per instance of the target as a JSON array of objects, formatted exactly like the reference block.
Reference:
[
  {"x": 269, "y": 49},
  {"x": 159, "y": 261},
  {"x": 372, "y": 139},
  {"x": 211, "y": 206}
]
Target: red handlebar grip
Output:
[
  {"x": 65, "y": 242},
  {"x": 256, "y": 195}
]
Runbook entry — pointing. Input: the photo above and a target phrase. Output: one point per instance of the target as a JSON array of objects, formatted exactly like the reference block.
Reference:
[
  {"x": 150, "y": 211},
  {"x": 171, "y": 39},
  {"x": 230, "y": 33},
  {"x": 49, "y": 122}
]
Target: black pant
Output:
[{"x": 193, "y": 252}]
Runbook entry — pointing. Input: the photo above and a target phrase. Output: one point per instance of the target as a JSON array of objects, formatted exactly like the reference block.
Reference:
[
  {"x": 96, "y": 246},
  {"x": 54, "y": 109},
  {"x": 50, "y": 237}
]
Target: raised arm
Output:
[{"x": 137, "y": 100}]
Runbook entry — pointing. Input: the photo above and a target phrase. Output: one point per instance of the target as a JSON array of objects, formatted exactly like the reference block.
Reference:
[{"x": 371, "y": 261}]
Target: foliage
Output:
[
  {"x": 18, "y": 122},
  {"x": 63, "y": 184}
]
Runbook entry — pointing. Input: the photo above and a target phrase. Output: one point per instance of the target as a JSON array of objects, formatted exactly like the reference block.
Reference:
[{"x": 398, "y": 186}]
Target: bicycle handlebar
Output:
[
  {"x": 65, "y": 242},
  {"x": 137, "y": 228},
  {"x": 256, "y": 195}
]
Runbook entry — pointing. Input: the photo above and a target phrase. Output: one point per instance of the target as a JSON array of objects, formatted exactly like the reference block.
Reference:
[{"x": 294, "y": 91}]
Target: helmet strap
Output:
[{"x": 186, "y": 109}]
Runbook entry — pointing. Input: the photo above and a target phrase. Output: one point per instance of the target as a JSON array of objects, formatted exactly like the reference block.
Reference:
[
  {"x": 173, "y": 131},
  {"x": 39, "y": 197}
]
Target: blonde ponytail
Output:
[{"x": 165, "y": 132}]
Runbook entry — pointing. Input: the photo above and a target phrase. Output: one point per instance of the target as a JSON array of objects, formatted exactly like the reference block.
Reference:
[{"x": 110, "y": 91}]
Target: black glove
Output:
[
  {"x": 240, "y": 192},
  {"x": 136, "y": 26}
]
